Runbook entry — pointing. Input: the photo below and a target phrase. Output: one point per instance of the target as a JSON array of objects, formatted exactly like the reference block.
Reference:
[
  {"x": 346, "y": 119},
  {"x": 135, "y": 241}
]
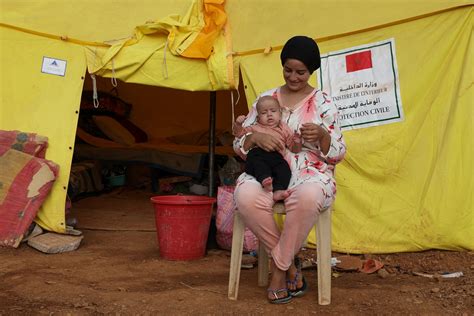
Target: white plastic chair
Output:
[{"x": 323, "y": 244}]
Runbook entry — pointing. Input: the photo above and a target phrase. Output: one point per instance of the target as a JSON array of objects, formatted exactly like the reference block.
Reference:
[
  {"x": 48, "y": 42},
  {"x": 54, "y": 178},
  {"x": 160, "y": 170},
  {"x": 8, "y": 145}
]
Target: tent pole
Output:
[{"x": 212, "y": 141}]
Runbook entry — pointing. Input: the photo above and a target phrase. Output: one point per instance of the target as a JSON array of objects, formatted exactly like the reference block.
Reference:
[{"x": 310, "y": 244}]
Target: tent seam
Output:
[{"x": 327, "y": 38}]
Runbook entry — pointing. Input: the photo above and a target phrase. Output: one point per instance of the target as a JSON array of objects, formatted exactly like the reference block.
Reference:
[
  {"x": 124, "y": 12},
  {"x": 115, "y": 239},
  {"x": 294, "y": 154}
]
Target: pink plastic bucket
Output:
[{"x": 182, "y": 225}]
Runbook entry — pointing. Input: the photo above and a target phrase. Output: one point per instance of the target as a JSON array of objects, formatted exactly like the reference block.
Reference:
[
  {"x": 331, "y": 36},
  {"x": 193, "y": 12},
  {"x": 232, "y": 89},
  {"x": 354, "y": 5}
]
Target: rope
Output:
[
  {"x": 95, "y": 98},
  {"x": 233, "y": 107},
  {"x": 132, "y": 40},
  {"x": 331, "y": 37},
  {"x": 234, "y": 104},
  {"x": 114, "y": 78}
]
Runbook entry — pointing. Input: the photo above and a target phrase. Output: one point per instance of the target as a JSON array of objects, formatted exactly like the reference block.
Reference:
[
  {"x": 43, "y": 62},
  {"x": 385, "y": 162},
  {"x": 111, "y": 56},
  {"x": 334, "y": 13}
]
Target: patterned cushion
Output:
[
  {"x": 25, "y": 182},
  {"x": 30, "y": 143}
]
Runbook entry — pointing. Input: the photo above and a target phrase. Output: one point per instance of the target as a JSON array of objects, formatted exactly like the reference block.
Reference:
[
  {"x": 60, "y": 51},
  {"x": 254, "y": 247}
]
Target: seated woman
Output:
[{"x": 312, "y": 188}]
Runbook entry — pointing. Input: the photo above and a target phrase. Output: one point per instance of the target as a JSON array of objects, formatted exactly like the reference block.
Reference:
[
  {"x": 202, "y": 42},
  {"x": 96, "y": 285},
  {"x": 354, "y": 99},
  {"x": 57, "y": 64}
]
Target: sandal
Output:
[
  {"x": 280, "y": 300},
  {"x": 298, "y": 292}
]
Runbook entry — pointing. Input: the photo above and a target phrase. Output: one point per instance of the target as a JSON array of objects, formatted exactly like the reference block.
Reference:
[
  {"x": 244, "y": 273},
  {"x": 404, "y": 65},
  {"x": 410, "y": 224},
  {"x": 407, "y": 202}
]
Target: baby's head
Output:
[{"x": 268, "y": 111}]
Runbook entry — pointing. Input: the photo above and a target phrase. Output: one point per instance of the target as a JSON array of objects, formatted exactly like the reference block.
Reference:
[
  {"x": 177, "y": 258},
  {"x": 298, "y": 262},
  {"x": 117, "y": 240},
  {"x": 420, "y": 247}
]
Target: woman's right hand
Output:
[{"x": 265, "y": 141}]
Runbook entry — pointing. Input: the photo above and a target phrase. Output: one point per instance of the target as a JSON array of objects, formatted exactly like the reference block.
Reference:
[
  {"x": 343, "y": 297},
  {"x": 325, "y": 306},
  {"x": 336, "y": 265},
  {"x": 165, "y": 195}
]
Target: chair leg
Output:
[
  {"x": 262, "y": 265},
  {"x": 323, "y": 240},
  {"x": 236, "y": 256}
]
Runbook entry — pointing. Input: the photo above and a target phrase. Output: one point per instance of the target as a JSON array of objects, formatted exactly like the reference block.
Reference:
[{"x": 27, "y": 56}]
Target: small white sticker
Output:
[{"x": 54, "y": 66}]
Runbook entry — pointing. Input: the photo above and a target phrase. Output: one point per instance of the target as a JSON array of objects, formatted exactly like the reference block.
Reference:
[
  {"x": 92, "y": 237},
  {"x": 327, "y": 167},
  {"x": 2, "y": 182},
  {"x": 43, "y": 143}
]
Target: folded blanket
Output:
[
  {"x": 30, "y": 143},
  {"x": 25, "y": 182}
]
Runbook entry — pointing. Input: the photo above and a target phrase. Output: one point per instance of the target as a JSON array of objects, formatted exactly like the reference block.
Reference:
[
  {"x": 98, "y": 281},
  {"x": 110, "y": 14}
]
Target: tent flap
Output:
[{"x": 163, "y": 50}]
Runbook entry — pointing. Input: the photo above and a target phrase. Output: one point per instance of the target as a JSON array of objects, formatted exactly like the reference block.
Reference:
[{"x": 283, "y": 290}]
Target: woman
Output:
[{"x": 310, "y": 112}]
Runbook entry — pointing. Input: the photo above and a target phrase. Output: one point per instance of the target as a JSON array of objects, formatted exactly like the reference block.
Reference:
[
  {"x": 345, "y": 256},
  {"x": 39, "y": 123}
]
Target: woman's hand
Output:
[
  {"x": 265, "y": 141},
  {"x": 314, "y": 134}
]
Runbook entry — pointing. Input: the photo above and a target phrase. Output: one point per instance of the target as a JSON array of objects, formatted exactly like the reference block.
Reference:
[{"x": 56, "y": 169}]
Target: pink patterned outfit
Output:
[
  {"x": 282, "y": 131},
  {"x": 312, "y": 182}
]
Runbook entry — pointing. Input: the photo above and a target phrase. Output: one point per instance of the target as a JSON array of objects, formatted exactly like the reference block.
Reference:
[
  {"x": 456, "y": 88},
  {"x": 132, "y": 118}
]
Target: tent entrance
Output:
[{"x": 111, "y": 162}]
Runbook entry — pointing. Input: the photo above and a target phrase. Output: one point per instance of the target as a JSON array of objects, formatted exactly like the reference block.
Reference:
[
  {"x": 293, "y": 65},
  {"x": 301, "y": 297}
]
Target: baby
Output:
[{"x": 269, "y": 168}]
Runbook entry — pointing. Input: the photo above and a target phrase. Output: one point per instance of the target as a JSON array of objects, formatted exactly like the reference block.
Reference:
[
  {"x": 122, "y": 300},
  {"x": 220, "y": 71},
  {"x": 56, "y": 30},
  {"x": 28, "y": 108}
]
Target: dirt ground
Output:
[{"x": 118, "y": 270}]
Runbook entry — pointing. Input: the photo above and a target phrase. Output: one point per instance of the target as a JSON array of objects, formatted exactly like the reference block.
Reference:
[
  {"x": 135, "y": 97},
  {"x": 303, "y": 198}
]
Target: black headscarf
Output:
[{"x": 304, "y": 49}]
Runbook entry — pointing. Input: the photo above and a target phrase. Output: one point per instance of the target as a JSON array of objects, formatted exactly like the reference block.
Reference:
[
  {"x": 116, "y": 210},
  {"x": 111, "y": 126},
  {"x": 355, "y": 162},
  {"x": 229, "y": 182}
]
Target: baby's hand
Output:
[
  {"x": 240, "y": 119},
  {"x": 237, "y": 128}
]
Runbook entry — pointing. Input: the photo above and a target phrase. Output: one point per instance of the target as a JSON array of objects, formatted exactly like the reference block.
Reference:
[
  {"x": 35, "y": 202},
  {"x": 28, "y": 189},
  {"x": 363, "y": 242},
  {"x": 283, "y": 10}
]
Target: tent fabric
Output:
[
  {"x": 322, "y": 19},
  {"x": 31, "y": 101},
  {"x": 192, "y": 36},
  {"x": 402, "y": 187},
  {"x": 159, "y": 44}
]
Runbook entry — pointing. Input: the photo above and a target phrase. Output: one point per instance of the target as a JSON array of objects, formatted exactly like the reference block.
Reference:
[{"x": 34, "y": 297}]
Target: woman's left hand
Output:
[{"x": 313, "y": 133}]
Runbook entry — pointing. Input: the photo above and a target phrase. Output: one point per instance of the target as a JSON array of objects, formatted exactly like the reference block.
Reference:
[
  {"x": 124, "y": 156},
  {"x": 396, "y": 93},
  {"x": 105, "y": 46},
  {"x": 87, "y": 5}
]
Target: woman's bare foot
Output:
[
  {"x": 267, "y": 184},
  {"x": 277, "y": 281},
  {"x": 280, "y": 195},
  {"x": 294, "y": 277}
]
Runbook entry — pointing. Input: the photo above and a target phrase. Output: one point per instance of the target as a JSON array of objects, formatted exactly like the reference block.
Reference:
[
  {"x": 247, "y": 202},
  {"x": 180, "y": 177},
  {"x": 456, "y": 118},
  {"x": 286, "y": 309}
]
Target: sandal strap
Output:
[
  {"x": 294, "y": 281},
  {"x": 298, "y": 265},
  {"x": 275, "y": 292}
]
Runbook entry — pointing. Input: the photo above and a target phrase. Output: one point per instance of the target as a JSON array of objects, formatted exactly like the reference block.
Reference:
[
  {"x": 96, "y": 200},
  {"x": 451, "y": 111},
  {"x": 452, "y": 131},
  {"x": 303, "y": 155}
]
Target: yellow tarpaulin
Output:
[
  {"x": 152, "y": 55},
  {"x": 33, "y": 101},
  {"x": 405, "y": 186}
]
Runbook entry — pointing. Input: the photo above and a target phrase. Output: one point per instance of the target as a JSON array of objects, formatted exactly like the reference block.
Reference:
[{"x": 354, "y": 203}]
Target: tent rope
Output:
[
  {"x": 113, "y": 80},
  {"x": 95, "y": 98},
  {"x": 234, "y": 104}
]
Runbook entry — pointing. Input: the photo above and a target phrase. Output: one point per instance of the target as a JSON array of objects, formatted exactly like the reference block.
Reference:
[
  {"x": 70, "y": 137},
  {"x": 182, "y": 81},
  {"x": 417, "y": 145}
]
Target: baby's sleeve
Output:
[{"x": 246, "y": 130}]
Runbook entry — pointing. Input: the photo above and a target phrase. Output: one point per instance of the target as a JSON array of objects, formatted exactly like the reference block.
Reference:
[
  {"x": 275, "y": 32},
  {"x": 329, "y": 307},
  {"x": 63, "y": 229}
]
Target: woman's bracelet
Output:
[{"x": 242, "y": 141}]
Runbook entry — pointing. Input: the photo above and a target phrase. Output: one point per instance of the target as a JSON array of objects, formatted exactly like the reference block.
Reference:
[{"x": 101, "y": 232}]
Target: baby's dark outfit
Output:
[{"x": 263, "y": 164}]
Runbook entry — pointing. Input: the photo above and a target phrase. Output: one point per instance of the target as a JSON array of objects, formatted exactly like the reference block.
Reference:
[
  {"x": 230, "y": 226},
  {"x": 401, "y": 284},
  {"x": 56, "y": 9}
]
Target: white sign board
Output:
[
  {"x": 363, "y": 83},
  {"x": 53, "y": 66}
]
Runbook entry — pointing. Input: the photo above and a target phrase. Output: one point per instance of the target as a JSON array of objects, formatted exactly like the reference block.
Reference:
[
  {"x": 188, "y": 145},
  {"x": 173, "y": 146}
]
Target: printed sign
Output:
[
  {"x": 53, "y": 66},
  {"x": 363, "y": 83}
]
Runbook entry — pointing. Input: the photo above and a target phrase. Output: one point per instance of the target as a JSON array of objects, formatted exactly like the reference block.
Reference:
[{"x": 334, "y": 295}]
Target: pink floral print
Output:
[{"x": 309, "y": 165}]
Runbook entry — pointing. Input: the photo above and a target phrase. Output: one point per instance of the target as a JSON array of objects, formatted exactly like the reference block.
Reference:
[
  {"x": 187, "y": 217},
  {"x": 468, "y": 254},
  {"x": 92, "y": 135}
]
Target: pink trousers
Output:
[{"x": 302, "y": 209}]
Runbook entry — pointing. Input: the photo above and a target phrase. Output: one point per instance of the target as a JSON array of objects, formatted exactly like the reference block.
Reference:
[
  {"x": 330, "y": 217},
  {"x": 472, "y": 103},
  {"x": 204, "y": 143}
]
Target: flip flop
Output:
[
  {"x": 280, "y": 300},
  {"x": 371, "y": 266},
  {"x": 298, "y": 292},
  {"x": 348, "y": 263}
]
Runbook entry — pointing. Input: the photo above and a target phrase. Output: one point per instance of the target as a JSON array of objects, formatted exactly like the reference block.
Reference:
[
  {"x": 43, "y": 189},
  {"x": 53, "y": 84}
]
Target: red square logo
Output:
[{"x": 359, "y": 61}]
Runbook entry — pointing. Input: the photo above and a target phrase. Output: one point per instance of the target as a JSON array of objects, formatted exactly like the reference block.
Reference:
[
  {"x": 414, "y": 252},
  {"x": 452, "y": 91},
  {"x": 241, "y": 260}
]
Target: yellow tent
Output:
[{"x": 405, "y": 186}]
